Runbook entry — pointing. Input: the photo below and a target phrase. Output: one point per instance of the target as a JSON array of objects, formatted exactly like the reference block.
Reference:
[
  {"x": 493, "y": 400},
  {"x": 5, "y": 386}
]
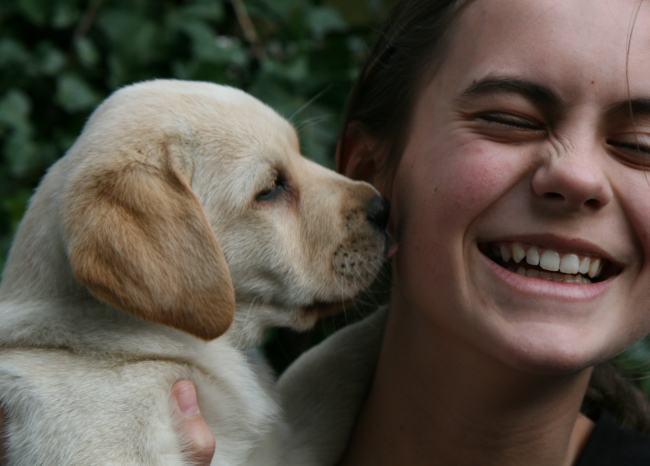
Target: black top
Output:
[{"x": 611, "y": 445}]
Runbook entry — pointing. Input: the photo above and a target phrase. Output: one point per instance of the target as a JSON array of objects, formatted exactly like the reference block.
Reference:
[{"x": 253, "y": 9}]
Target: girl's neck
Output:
[{"x": 435, "y": 401}]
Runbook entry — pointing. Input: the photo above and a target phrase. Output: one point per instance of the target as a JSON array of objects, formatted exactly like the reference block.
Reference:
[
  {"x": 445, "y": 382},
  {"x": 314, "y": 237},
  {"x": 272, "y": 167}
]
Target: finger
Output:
[{"x": 201, "y": 443}]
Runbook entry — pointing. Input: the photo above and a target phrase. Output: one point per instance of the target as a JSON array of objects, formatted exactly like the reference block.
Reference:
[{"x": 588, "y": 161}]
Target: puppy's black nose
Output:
[{"x": 378, "y": 211}]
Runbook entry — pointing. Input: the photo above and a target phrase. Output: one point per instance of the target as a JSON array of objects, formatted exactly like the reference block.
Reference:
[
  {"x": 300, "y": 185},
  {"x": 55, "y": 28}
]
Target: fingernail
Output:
[{"x": 187, "y": 401}]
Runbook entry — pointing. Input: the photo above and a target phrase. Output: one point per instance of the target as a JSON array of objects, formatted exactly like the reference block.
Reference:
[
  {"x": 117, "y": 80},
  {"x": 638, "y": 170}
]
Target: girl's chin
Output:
[{"x": 550, "y": 351}]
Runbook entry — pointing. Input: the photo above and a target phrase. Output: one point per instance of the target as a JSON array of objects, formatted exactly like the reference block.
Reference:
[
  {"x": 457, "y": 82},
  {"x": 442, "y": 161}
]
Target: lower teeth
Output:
[{"x": 556, "y": 277}]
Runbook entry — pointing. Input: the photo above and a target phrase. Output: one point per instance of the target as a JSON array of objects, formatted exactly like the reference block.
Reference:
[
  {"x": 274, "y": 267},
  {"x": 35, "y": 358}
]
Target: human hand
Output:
[{"x": 193, "y": 428}]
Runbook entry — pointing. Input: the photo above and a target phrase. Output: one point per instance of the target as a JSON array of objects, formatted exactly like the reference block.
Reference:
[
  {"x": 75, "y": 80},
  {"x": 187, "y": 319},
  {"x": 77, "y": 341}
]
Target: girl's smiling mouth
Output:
[{"x": 535, "y": 261}]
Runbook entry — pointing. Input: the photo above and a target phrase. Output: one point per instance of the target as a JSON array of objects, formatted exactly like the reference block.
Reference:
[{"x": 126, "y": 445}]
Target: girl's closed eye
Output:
[
  {"x": 510, "y": 120},
  {"x": 509, "y": 127},
  {"x": 632, "y": 149}
]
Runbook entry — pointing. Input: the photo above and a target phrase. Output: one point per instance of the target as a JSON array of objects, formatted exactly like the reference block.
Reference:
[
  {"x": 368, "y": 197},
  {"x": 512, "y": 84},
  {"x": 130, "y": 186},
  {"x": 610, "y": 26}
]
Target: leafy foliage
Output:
[{"x": 60, "y": 58}]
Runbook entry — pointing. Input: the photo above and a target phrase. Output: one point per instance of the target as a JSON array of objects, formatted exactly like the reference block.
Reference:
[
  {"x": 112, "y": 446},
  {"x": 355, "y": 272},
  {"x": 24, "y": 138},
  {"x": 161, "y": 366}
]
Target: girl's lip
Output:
[{"x": 540, "y": 287}]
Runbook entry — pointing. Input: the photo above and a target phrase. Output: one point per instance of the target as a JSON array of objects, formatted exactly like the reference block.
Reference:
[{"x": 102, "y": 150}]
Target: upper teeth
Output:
[{"x": 550, "y": 260}]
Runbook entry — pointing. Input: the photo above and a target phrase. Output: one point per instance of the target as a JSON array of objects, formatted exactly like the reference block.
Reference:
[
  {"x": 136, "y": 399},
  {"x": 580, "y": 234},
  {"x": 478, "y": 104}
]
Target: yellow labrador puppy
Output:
[{"x": 181, "y": 224}]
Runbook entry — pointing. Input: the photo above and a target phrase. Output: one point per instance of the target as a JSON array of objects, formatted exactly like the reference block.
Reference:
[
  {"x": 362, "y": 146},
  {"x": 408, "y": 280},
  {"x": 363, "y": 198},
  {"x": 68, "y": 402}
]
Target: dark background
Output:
[{"x": 60, "y": 58}]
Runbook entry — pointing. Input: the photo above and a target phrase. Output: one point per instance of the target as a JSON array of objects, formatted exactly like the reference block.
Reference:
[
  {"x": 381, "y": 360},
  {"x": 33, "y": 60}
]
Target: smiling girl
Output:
[
  {"x": 512, "y": 138},
  {"x": 514, "y": 145}
]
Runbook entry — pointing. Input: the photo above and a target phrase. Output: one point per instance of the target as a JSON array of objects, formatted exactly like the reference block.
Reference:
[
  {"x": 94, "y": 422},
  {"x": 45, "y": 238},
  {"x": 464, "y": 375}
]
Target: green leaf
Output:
[
  {"x": 35, "y": 11},
  {"x": 86, "y": 52},
  {"x": 6, "y": 10},
  {"x": 118, "y": 71},
  {"x": 74, "y": 94},
  {"x": 65, "y": 15},
  {"x": 22, "y": 153},
  {"x": 205, "y": 45},
  {"x": 361, "y": 13},
  {"x": 27, "y": 157},
  {"x": 295, "y": 70},
  {"x": 50, "y": 60},
  {"x": 207, "y": 10},
  {"x": 15, "y": 107},
  {"x": 19, "y": 149},
  {"x": 12, "y": 52},
  {"x": 276, "y": 94},
  {"x": 133, "y": 36},
  {"x": 323, "y": 20},
  {"x": 279, "y": 7}
]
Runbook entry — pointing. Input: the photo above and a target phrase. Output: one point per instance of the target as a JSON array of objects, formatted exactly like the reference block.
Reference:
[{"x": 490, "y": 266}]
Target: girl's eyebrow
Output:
[
  {"x": 545, "y": 97},
  {"x": 538, "y": 94},
  {"x": 637, "y": 107}
]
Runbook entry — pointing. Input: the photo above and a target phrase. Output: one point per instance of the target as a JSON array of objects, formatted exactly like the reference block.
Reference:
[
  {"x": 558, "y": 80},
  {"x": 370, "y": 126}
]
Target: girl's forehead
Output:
[{"x": 565, "y": 43}]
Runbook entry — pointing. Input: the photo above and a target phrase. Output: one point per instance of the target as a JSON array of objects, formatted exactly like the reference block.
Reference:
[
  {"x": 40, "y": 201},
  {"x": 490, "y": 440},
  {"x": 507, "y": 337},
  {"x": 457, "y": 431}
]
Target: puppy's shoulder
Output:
[{"x": 329, "y": 383}]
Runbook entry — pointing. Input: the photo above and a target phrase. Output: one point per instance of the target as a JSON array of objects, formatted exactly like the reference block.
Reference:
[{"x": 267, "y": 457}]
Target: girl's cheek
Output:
[{"x": 448, "y": 189}]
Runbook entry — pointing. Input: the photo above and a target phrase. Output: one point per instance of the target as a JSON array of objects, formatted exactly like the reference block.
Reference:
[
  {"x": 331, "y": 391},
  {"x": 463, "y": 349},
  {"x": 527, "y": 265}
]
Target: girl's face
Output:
[{"x": 532, "y": 139}]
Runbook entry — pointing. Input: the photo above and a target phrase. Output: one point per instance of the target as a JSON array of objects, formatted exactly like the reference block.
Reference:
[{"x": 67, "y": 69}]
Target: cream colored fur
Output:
[
  {"x": 323, "y": 391},
  {"x": 176, "y": 198}
]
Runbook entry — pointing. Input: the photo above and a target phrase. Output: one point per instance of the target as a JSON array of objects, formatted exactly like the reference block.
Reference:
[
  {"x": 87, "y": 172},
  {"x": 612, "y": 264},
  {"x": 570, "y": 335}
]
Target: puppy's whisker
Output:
[
  {"x": 311, "y": 122},
  {"x": 309, "y": 102}
]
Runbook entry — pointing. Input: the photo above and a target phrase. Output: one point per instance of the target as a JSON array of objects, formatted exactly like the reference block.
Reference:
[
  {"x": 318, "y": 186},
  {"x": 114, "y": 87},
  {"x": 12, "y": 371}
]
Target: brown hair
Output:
[
  {"x": 610, "y": 388},
  {"x": 411, "y": 45}
]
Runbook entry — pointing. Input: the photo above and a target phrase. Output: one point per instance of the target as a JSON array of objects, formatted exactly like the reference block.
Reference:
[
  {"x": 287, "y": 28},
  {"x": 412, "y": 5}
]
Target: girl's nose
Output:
[{"x": 573, "y": 181}]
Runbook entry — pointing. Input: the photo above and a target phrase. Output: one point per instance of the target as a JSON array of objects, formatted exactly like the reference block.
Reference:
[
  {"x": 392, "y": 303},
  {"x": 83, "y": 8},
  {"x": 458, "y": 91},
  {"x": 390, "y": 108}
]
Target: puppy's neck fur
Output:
[{"x": 252, "y": 320}]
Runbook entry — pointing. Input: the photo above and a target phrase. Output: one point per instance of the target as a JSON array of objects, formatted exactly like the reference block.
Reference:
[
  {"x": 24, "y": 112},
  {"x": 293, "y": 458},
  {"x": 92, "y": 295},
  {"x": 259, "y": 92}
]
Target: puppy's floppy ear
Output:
[{"x": 139, "y": 239}]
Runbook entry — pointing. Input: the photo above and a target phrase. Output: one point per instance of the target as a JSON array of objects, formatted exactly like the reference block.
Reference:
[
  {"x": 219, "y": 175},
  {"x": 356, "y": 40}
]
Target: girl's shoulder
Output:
[{"x": 612, "y": 445}]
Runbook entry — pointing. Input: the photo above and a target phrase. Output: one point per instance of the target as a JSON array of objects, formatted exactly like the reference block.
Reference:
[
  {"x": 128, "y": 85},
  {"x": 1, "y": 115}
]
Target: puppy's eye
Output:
[{"x": 272, "y": 192}]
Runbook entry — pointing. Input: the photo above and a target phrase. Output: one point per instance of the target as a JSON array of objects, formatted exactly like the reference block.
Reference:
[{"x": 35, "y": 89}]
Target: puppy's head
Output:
[
  {"x": 178, "y": 190},
  {"x": 300, "y": 240}
]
